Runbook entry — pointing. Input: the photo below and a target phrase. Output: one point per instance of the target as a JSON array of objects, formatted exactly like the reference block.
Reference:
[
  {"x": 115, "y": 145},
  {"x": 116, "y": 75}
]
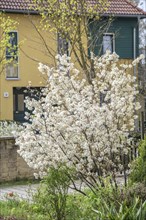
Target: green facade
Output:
[{"x": 123, "y": 28}]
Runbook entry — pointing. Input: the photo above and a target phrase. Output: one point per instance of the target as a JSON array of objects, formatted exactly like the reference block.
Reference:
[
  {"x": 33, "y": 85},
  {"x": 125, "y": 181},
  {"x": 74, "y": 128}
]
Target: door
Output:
[
  {"x": 19, "y": 95},
  {"x": 18, "y": 104}
]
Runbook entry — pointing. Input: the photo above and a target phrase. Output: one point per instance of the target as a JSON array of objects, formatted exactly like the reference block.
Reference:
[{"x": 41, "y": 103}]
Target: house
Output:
[
  {"x": 142, "y": 34},
  {"x": 122, "y": 37}
]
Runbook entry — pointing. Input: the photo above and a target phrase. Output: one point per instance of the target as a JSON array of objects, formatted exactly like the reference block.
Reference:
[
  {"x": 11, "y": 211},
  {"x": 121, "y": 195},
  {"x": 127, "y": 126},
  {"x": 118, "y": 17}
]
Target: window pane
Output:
[
  {"x": 11, "y": 50},
  {"x": 107, "y": 43},
  {"x": 12, "y": 69},
  {"x": 63, "y": 46},
  {"x": 20, "y": 102}
]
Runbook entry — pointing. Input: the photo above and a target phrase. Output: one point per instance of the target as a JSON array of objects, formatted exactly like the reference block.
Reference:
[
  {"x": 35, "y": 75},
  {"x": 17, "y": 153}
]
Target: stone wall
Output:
[{"x": 12, "y": 165}]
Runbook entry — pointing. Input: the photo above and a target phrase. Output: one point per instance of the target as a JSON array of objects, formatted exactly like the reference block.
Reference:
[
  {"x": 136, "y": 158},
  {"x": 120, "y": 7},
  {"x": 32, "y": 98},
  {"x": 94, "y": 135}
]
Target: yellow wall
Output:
[{"x": 32, "y": 48}]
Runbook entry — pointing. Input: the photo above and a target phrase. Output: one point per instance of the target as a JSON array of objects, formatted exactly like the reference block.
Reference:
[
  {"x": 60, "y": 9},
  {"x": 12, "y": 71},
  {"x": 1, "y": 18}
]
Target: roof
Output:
[
  {"x": 124, "y": 7},
  {"x": 116, "y": 7},
  {"x": 15, "y": 5}
]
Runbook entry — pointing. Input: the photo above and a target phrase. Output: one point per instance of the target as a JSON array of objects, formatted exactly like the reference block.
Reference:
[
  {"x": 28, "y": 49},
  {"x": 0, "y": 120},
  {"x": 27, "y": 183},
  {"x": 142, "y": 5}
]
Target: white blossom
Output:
[
  {"x": 80, "y": 124},
  {"x": 9, "y": 128}
]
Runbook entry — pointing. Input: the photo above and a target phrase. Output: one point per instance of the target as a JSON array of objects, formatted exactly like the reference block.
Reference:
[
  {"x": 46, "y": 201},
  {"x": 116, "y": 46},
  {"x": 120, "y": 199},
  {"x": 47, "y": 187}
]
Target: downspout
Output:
[
  {"x": 136, "y": 122},
  {"x": 134, "y": 48},
  {"x": 141, "y": 122}
]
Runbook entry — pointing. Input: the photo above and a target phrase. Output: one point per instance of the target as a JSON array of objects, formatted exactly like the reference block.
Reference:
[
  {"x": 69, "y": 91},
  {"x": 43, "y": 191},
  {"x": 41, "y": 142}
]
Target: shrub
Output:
[
  {"x": 51, "y": 198},
  {"x": 136, "y": 190},
  {"x": 136, "y": 211},
  {"x": 138, "y": 168}
]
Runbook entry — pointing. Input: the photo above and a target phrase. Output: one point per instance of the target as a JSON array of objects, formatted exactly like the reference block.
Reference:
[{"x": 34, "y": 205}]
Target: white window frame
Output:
[
  {"x": 13, "y": 78},
  {"x": 113, "y": 41}
]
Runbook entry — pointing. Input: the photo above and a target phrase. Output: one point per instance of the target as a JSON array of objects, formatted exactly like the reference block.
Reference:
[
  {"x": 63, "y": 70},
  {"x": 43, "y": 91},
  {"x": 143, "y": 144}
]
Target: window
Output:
[
  {"x": 63, "y": 46},
  {"x": 108, "y": 42},
  {"x": 12, "y": 56}
]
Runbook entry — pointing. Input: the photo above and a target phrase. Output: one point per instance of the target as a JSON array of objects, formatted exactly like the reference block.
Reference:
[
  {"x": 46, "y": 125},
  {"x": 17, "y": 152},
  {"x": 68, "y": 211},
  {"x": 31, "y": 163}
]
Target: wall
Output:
[{"x": 12, "y": 166}]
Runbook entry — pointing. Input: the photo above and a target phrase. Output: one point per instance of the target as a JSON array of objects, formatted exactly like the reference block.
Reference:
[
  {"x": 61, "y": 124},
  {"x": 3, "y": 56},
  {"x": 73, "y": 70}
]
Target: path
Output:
[
  {"x": 26, "y": 191},
  {"x": 22, "y": 191}
]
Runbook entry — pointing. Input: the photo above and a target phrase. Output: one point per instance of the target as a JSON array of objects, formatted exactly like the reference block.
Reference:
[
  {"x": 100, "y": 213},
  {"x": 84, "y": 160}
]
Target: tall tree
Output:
[{"x": 72, "y": 20}]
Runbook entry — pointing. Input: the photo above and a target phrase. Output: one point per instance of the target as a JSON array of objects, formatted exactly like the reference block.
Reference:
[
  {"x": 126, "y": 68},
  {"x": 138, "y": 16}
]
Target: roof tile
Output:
[
  {"x": 116, "y": 7},
  {"x": 124, "y": 7}
]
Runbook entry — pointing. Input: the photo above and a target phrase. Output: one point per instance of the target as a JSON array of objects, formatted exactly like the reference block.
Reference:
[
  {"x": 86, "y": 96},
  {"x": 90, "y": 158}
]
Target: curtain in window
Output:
[{"x": 107, "y": 43}]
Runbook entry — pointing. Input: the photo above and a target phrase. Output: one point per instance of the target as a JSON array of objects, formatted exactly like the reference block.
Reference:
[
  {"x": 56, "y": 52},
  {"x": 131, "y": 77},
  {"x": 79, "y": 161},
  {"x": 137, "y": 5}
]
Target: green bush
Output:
[
  {"x": 138, "y": 167},
  {"x": 111, "y": 203},
  {"x": 52, "y": 196},
  {"x": 55, "y": 200},
  {"x": 136, "y": 211},
  {"x": 136, "y": 190}
]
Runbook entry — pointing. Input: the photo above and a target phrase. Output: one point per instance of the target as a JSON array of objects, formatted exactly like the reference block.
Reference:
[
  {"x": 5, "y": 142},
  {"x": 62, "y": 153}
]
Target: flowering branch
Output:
[{"x": 73, "y": 125}]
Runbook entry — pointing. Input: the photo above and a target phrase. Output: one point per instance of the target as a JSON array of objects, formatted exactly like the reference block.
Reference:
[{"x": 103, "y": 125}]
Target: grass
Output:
[
  {"x": 20, "y": 210},
  {"x": 78, "y": 208},
  {"x": 14, "y": 208}
]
